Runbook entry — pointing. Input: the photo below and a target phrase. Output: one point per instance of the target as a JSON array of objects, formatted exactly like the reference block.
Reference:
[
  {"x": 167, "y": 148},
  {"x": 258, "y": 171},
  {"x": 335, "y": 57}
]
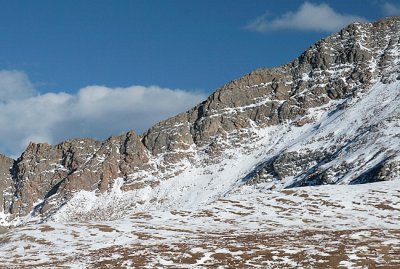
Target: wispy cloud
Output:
[
  {"x": 309, "y": 17},
  {"x": 94, "y": 111},
  {"x": 15, "y": 85},
  {"x": 391, "y": 9}
]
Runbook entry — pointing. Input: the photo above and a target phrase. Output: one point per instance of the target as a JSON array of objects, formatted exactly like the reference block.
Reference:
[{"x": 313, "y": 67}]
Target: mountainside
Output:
[{"x": 332, "y": 116}]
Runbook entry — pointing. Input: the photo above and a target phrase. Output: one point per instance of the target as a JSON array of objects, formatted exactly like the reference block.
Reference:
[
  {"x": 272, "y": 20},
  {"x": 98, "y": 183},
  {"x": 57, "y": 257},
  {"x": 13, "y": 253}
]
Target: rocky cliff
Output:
[{"x": 330, "y": 116}]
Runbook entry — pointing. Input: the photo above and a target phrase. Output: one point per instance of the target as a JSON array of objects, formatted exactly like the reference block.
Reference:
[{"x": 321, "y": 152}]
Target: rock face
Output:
[
  {"x": 282, "y": 117},
  {"x": 6, "y": 184}
]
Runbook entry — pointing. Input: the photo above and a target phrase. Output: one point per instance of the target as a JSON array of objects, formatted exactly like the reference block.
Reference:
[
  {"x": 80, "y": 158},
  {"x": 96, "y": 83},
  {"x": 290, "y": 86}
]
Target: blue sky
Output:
[{"x": 168, "y": 54}]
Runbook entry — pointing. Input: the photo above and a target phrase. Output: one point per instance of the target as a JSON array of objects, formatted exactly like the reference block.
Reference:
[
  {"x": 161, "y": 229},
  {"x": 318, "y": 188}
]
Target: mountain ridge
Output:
[{"x": 333, "y": 74}]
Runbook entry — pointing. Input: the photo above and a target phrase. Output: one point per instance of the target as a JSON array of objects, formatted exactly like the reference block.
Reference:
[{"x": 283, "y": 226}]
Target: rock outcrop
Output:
[{"x": 6, "y": 183}]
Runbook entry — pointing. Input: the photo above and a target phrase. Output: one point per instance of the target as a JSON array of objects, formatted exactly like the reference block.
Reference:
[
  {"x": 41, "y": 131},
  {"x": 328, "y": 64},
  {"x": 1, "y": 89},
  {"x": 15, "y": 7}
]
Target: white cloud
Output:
[
  {"x": 14, "y": 85},
  {"x": 391, "y": 9},
  {"x": 94, "y": 111},
  {"x": 309, "y": 17}
]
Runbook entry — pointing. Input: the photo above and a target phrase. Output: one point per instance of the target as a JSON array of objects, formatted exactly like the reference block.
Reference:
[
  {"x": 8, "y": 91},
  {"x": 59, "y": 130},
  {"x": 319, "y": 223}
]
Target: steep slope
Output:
[{"x": 331, "y": 116}]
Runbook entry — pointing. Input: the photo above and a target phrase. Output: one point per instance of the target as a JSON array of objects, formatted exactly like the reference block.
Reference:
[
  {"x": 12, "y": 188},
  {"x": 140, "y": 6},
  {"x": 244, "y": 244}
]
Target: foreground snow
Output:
[{"x": 348, "y": 225}]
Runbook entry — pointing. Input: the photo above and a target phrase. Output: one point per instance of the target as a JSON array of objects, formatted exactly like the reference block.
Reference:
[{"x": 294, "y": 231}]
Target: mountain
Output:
[
  {"x": 290, "y": 167},
  {"x": 331, "y": 116}
]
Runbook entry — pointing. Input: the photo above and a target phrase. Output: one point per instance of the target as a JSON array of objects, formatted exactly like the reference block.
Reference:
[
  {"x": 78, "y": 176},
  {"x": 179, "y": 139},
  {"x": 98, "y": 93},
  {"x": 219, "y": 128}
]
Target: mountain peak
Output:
[{"x": 319, "y": 119}]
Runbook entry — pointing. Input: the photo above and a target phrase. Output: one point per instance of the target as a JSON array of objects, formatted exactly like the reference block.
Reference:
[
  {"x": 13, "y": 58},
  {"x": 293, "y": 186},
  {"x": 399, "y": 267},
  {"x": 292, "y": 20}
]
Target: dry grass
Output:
[{"x": 307, "y": 249}]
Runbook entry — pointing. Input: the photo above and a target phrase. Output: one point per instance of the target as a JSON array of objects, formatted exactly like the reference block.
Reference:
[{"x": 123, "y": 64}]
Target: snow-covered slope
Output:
[
  {"x": 352, "y": 144},
  {"x": 313, "y": 227}
]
